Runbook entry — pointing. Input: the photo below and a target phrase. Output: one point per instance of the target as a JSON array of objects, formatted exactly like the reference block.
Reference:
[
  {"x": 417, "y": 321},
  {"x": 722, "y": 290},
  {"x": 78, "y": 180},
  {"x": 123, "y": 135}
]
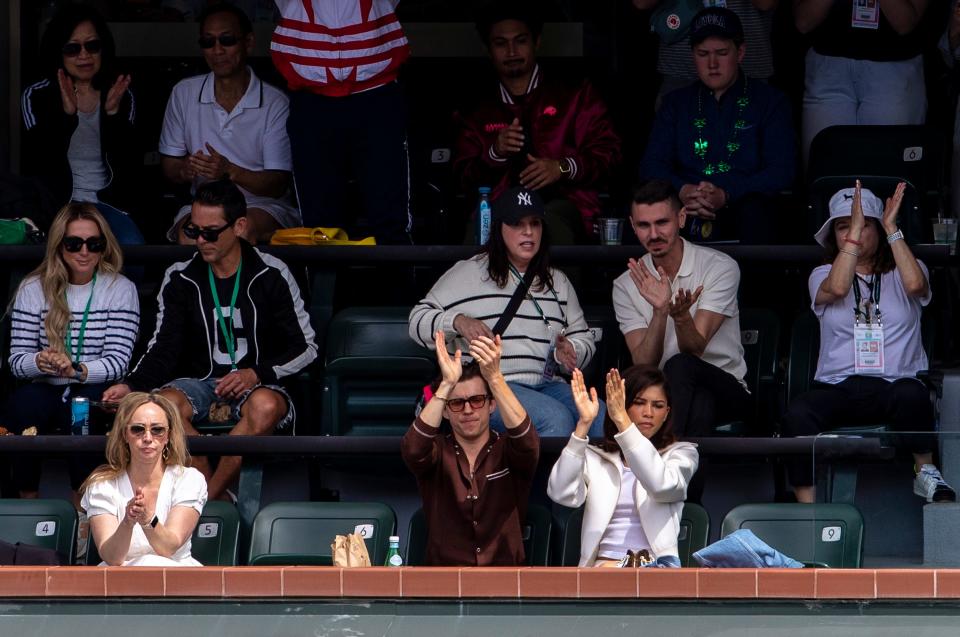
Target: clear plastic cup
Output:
[{"x": 611, "y": 231}]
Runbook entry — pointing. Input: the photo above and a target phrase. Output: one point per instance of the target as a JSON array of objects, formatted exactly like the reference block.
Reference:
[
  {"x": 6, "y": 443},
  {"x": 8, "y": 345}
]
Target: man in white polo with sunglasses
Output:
[
  {"x": 474, "y": 482},
  {"x": 230, "y": 124},
  {"x": 231, "y": 324}
]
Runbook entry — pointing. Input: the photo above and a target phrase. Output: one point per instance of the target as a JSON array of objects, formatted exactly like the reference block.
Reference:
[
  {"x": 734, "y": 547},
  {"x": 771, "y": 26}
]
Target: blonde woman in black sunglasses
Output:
[
  {"x": 74, "y": 321},
  {"x": 145, "y": 502}
]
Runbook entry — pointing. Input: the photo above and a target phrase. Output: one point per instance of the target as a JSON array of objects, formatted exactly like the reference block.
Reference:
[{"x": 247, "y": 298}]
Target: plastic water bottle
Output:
[
  {"x": 80, "y": 416},
  {"x": 483, "y": 216},
  {"x": 393, "y": 554}
]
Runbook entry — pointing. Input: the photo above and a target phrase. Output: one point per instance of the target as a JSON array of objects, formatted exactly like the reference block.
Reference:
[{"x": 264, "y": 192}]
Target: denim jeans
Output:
[
  {"x": 551, "y": 409},
  {"x": 743, "y": 549},
  {"x": 121, "y": 224}
]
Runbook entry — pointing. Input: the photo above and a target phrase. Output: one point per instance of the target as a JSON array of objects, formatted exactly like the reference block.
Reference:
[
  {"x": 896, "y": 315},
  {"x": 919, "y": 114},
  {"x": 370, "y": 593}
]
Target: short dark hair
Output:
[
  {"x": 652, "y": 191},
  {"x": 246, "y": 27},
  {"x": 225, "y": 194},
  {"x": 636, "y": 380},
  {"x": 58, "y": 33},
  {"x": 500, "y": 10}
]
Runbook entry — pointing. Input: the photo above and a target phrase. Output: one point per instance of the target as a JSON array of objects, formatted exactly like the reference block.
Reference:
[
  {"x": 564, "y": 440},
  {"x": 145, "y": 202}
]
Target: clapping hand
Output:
[
  {"x": 486, "y": 351},
  {"x": 655, "y": 291},
  {"x": 115, "y": 94},
  {"x": 509, "y": 139},
  {"x": 450, "y": 368},
  {"x": 680, "y": 306},
  {"x": 136, "y": 510},
  {"x": 857, "y": 220},
  {"x": 68, "y": 92},
  {"x": 892, "y": 208},
  {"x": 212, "y": 166},
  {"x": 616, "y": 401},
  {"x": 588, "y": 405},
  {"x": 54, "y": 363}
]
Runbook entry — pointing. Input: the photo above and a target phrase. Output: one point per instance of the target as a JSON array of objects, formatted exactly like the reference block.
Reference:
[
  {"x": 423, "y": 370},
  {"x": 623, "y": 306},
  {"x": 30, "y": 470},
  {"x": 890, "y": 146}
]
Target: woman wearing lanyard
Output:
[
  {"x": 868, "y": 299},
  {"x": 74, "y": 322},
  {"x": 545, "y": 337}
]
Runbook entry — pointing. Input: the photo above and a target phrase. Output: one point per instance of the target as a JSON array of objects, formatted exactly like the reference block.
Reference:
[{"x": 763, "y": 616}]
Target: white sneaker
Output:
[{"x": 930, "y": 484}]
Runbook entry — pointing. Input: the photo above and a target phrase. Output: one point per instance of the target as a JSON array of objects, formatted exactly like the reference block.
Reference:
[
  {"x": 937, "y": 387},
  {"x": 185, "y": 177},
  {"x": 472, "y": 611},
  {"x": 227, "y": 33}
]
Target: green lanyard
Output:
[
  {"x": 227, "y": 332},
  {"x": 563, "y": 315},
  {"x": 68, "y": 337}
]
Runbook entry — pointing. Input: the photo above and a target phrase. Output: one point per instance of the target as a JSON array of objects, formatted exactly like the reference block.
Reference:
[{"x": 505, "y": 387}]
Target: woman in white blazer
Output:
[{"x": 634, "y": 481}]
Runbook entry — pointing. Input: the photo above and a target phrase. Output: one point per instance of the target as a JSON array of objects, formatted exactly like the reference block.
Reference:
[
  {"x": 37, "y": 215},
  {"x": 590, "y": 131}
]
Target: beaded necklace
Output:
[{"x": 700, "y": 144}]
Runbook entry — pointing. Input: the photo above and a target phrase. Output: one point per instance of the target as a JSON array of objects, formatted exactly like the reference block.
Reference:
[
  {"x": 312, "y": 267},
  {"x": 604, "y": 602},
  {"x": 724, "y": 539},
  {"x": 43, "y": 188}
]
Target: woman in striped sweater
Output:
[
  {"x": 548, "y": 334},
  {"x": 74, "y": 322}
]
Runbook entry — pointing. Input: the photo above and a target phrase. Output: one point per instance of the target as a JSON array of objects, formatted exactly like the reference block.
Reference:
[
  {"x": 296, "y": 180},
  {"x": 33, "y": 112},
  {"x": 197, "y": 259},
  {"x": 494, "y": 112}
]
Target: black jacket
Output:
[
  {"x": 273, "y": 331},
  {"x": 46, "y": 140}
]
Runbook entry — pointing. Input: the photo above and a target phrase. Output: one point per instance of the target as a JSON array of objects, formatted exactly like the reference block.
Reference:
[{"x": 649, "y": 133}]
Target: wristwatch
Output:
[
  {"x": 565, "y": 168},
  {"x": 895, "y": 236},
  {"x": 153, "y": 523}
]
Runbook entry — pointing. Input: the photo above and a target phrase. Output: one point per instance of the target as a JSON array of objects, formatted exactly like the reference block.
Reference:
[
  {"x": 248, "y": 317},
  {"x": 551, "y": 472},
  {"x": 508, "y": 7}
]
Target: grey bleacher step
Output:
[{"x": 940, "y": 524}]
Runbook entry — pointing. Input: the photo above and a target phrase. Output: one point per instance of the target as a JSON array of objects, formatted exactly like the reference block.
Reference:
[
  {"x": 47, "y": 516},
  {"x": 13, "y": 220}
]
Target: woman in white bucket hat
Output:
[{"x": 868, "y": 297}]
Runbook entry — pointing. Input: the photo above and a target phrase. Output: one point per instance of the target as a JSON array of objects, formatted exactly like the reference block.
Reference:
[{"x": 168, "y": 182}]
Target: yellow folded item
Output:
[{"x": 317, "y": 237}]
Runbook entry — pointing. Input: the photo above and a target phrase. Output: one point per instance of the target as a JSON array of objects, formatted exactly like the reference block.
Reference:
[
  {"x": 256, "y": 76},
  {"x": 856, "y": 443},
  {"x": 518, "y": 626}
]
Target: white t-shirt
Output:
[
  {"x": 253, "y": 135},
  {"x": 180, "y": 486},
  {"x": 720, "y": 277},
  {"x": 625, "y": 530},
  {"x": 903, "y": 346}
]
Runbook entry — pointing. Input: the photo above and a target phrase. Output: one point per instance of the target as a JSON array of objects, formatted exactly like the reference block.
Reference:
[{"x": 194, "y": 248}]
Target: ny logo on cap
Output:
[
  {"x": 846, "y": 197},
  {"x": 523, "y": 199}
]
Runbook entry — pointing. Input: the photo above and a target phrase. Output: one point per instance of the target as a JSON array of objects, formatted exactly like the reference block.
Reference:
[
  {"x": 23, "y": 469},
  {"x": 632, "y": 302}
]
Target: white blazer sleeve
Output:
[
  {"x": 568, "y": 478},
  {"x": 665, "y": 477}
]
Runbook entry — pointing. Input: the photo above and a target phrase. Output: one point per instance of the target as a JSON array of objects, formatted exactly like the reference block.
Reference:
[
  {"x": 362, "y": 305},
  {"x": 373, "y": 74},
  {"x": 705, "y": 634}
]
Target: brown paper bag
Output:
[{"x": 350, "y": 551}]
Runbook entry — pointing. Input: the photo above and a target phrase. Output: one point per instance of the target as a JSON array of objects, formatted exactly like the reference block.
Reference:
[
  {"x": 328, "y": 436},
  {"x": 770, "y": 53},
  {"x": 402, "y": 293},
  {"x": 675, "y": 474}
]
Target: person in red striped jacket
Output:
[{"x": 347, "y": 114}]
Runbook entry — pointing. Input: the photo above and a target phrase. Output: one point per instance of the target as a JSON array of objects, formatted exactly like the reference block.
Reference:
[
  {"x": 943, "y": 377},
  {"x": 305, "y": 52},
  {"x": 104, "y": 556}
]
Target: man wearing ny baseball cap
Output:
[
  {"x": 544, "y": 337},
  {"x": 868, "y": 299},
  {"x": 725, "y": 142}
]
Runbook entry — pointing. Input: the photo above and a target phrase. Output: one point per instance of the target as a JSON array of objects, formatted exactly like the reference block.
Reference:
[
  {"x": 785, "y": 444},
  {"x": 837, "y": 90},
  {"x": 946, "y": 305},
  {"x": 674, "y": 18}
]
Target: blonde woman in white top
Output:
[
  {"x": 634, "y": 481},
  {"x": 145, "y": 502}
]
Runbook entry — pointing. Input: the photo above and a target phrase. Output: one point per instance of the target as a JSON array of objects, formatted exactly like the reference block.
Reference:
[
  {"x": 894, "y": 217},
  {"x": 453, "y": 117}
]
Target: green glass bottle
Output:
[{"x": 393, "y": 553}]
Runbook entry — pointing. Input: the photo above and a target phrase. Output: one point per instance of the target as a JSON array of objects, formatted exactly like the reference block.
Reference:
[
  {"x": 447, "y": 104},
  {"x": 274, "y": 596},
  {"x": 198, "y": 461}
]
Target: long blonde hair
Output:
[
  {"x": 52, "y": 271},
  {"x": 118, "y": 451}
]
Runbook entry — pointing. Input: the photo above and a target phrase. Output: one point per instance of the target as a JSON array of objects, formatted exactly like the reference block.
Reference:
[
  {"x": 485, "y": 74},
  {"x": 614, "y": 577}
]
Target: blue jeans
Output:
[
  {"x": 551, "y": 409},
  {"x": 121, "y": 224}
]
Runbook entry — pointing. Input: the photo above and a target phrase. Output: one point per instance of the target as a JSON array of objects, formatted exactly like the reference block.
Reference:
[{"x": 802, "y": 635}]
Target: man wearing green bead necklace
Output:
[
  {"x": 231, "y": 324},
  {"x": 726, "y": 142}
]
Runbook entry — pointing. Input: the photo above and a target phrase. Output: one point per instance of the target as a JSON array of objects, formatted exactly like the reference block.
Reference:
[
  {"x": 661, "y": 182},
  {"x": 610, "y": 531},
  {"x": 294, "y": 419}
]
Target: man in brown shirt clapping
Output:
[{"x": 474, "y": 482}]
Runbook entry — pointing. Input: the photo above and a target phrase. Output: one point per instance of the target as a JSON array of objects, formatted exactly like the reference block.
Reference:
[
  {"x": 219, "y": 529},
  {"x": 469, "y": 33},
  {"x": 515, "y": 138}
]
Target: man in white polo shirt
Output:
[
  {"x": 230, "y": 124},
  {"x": 677, "y": 308}
]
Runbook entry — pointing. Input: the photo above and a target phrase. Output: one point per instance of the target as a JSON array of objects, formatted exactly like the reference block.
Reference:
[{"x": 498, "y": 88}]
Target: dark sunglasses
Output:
[
  {"x": 72, "y": 49},
  {"x": 193, "y": 231},
  {"x": 75, "y": 244},
  {"x": 157, "y": 431},
  {"x": 476, "y": 402},
  {"x": 225, "y": 39}
]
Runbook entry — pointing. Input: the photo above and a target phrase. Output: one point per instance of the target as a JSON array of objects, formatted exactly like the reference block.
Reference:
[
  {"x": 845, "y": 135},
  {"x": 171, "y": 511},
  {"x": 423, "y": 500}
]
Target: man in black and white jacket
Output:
[{"x": 231, "y": 324}]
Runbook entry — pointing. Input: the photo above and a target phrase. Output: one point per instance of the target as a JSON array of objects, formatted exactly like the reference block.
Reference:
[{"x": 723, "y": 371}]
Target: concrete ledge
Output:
[{"x": 478, "y": 583}]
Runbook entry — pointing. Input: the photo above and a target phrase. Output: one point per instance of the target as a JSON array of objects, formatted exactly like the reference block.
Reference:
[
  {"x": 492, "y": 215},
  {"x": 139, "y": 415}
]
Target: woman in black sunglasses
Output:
[
  {"x": 145, "y": 502},
  {"x": 79, "y": 121},
  {"x": 74, "y": 322}
]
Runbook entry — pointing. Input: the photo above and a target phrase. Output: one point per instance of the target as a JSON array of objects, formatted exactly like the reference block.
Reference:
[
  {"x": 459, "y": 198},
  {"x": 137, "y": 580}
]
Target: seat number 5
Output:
[{"x": 208, "y": 529}]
